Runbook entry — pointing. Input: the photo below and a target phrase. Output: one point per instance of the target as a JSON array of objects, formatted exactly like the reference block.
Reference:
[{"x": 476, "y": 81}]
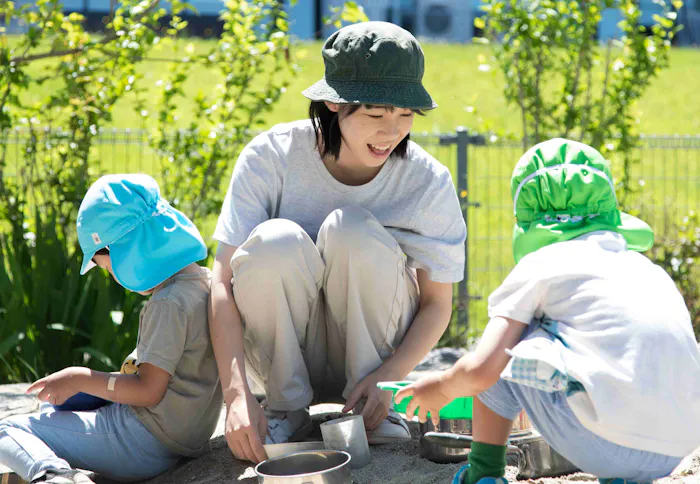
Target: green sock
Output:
[{"x": 486, "y": 460}]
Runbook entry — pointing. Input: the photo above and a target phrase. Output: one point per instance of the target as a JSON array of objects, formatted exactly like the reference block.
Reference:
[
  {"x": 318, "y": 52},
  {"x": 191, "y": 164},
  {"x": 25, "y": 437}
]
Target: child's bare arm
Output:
[
  {"x": 471, "y": 375},
  {"x": 481, "y": 369},
  {"x": 143, "y": 390}
]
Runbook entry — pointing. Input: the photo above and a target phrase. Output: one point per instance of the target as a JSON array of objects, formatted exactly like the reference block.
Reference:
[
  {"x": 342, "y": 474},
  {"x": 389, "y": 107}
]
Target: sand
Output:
[{"x": 390, "y": 464}]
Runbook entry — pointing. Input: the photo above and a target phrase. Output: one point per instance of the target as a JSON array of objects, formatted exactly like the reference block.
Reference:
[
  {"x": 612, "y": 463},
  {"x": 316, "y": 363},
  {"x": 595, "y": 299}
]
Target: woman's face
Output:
[{"x": 370, "y": 134}]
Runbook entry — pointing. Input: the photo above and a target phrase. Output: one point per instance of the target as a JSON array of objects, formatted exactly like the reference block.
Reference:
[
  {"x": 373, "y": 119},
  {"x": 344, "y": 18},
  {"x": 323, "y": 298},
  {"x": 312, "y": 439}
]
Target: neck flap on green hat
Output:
[{"x": 562, "y": 189}]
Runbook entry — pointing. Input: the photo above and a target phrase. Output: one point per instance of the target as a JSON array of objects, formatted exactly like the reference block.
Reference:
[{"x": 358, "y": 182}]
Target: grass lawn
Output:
[{"x": 466, "y": 96}]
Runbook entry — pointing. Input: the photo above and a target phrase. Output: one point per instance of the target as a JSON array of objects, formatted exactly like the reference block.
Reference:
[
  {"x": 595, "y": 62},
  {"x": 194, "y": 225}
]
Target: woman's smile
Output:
[{"x": 380, "y": 151}]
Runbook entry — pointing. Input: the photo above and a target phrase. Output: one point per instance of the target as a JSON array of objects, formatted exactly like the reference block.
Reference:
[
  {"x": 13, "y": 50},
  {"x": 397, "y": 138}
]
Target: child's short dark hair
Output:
[
  {"x": 325, "y": 124},
  {"x": 102, "y": 251}
]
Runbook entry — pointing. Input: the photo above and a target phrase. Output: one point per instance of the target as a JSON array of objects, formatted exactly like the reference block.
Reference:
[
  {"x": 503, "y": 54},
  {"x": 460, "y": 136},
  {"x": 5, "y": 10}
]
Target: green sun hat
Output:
[
  {"x": 372, "y": 63},
  {"x": 562, "y": 189}
]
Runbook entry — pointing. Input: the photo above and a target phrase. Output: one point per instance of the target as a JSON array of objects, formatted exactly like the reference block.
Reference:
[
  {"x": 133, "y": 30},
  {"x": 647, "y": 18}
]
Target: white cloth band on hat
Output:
[
  {"x": 547, "y": 169},
  {"x": 569, "y": 218},
  {"x": 162, "y": 206}
]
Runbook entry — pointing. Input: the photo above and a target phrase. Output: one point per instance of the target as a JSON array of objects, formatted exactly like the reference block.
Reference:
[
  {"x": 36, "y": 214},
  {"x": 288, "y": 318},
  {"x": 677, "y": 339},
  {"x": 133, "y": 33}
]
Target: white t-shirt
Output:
[
  {"x": 627, "y": 339},
  {"x": 280, "y": 174}
]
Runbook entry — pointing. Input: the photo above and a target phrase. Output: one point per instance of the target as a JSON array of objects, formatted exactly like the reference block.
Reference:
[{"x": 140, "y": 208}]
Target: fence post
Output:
[{"x": 462, "y": 139}]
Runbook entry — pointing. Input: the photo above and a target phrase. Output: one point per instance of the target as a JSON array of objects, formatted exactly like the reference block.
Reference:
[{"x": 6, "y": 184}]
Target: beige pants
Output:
[{"x": 318, "y": 318}]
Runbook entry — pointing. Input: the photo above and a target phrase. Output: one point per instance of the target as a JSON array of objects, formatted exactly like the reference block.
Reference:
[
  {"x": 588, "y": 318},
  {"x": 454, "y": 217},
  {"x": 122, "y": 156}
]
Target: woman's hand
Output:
[
  {"x": 60, "y": 386},
  {"x": 429, "y": 394},
  {"x": 378, "y": 402},
  {"x": 246, "y": 427}
]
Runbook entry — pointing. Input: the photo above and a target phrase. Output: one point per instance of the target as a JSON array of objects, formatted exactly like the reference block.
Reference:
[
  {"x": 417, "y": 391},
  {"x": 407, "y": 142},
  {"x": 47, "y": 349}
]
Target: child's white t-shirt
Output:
[{"x": 627, "y": 339}]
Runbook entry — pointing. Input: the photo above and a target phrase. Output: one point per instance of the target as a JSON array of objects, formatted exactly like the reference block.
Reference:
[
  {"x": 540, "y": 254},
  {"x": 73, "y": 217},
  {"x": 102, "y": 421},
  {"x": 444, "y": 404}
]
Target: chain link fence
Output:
[{"x": 665, "y": 184}]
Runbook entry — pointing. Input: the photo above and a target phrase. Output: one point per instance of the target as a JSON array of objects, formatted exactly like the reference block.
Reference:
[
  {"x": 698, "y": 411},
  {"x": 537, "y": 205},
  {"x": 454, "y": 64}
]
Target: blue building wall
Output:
[
  {"x": 441, "y": 20},
  {"x": 463, "y": 12},
  {"x": 302, "y": 16}
]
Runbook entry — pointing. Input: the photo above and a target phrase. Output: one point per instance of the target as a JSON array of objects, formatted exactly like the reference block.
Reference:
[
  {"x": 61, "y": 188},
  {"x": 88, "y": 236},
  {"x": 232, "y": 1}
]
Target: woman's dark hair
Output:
[{"x": 325, "y": 124}]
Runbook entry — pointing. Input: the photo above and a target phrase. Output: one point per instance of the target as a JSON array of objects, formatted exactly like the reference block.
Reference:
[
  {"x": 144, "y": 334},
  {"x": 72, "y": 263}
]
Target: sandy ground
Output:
[{"x": 391, "y": 464}]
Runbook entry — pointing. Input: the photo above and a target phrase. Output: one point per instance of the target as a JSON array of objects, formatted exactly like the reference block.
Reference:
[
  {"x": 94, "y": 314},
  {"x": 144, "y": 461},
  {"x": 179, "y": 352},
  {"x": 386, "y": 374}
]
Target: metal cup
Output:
[{"x": 348, "y": 434}]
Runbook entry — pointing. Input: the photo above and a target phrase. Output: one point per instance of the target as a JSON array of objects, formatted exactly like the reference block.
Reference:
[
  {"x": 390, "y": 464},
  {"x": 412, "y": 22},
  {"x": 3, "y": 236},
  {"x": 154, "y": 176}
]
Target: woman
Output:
[{"x": 339, "y": 243}]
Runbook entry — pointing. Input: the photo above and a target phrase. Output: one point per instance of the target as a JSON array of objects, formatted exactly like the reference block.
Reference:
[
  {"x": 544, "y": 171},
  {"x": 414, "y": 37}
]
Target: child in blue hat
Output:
[{"x": 170, "y": 407}]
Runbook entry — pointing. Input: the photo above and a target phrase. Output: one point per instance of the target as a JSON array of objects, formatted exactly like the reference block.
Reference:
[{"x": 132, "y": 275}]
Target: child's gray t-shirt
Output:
[
  {"x": 280, "y": 174},
  {"x": 174, "y": 336}
]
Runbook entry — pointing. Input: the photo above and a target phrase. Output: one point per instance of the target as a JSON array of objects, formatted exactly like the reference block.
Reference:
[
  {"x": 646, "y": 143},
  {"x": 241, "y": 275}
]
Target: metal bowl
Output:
[
  {"x": 538, "y": 459},
  {"x": 438, "y": 449},
  {"x": 439, "y": 452},
  {"x": 535, "y": 458},
  {"x": 310, "y": 467}
]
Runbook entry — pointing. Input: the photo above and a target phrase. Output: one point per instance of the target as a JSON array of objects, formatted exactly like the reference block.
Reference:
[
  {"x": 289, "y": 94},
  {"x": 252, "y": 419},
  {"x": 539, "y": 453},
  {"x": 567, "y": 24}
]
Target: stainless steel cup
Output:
[{"x": 348, "y": 434}]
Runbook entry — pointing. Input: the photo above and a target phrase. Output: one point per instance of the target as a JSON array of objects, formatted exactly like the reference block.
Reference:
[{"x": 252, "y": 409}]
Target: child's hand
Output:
[
  {"x": 60, "y": 386},
  {"x": 429, "y": 393}
]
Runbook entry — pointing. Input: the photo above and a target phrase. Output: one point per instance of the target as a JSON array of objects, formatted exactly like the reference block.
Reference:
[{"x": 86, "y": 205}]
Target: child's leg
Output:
[
  {"x": 488, "y": 453},
  {"x": 488, "y": 427},
  {"x": 110, "y": 441},
  {"x": 494, "y": 411},
  {"x": 24, "y": 452},
  {"x": 551, "y": 415}
]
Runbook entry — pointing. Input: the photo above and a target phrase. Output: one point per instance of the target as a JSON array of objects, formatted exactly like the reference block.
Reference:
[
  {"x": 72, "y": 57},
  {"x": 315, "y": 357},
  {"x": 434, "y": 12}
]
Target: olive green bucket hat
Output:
[
  {"x": 372, "y": 63},
  {"x": 562, "y": 189}
]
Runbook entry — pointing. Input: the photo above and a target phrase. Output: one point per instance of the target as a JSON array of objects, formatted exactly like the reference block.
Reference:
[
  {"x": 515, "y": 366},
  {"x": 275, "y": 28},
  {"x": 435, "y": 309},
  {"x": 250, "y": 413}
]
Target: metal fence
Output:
[{"x": 665, "y": 183}]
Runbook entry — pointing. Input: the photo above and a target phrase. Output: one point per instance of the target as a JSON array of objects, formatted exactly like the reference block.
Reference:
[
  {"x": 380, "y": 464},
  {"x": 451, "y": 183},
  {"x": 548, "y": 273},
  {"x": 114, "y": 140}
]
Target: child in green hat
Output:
[{"x": 586, "y": 335}]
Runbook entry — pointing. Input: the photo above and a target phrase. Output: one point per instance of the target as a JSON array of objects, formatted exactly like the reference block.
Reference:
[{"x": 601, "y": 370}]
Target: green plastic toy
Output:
[{"x": 456, "y": 409}]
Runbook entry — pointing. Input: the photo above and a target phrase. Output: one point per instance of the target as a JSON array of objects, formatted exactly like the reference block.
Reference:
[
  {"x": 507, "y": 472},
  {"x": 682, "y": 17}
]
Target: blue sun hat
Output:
[{"x": 148, "y": 240}]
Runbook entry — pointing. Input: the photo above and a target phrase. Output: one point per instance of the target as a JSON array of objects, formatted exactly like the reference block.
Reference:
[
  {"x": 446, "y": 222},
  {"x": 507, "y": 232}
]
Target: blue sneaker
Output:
[{"x": 461, "y": 478}]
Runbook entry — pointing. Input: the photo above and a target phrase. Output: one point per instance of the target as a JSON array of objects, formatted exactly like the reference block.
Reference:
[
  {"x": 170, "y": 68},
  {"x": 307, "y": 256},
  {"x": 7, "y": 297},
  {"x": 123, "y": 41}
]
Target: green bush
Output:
[
  {"x": 563, "y": 83},
  {"x": 50, "y": 316},
  {"x": 678, "y": 253},
  {"x": 252, "y": 58}
]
